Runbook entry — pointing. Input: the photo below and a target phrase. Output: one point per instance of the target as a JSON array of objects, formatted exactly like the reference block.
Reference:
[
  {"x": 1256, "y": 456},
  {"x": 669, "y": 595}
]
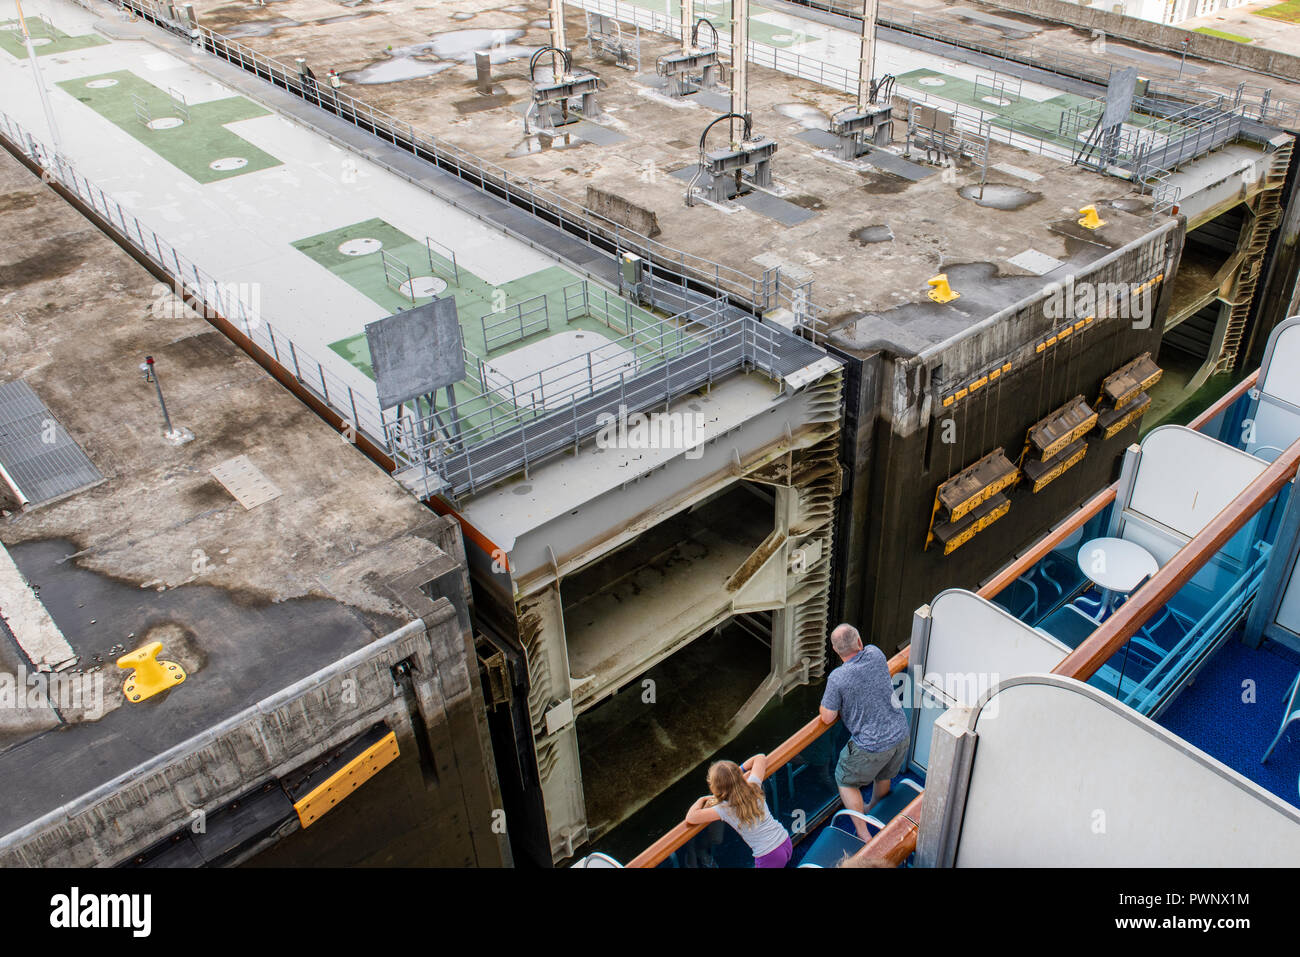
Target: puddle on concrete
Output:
[
  {"x": 880, "y": 182},
  {"x": 442, "y": 52},
  {"x": 806, "y": 201},
  {"x": 999, "y": 196},
  {"x": 807, "y": 117},
  {"x": 1127, "y": 204},
  {"x": 344, "y": 18},
  {"x": 398, "y": 68},
  {"x": 259, "y": 28},
  {"x": 880, "y": 233},
  {"x": 541, "y": 143},
  {"x": 462, "y": 44}
]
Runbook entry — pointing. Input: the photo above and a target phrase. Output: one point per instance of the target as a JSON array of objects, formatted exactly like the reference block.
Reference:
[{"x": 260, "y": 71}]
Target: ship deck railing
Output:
[{"x": 1171, "y": 629}]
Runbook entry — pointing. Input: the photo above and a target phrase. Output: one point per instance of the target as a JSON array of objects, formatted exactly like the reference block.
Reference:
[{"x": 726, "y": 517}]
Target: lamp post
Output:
[
  {"x": 172, "y": 434},
  {"x": 55, "y": 144}
]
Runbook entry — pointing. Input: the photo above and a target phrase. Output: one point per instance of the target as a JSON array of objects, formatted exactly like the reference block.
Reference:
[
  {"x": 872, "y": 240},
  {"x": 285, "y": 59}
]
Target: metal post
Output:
[{"x": 151, "y": 375}]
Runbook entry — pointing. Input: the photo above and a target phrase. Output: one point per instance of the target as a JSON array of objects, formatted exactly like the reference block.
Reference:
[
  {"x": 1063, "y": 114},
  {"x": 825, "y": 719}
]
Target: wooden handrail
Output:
[
  {"x": 897, "y": 840},
  {"x": 1092, "y": 653},
  {"x": 784, "y": 753}
]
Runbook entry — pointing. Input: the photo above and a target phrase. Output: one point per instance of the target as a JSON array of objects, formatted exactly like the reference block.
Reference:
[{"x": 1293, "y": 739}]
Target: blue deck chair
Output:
[
  {"x": 1290, "y": 715},
  {"x": 833, "y": 845}
]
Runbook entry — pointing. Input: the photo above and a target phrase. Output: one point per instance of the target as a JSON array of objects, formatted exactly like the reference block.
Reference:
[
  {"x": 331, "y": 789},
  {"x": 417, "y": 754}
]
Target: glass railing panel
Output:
[
  {"x": 800, "y": 794},
  {"x": 1149, "y": 671},
  {"x": 1056, "y": 579}
]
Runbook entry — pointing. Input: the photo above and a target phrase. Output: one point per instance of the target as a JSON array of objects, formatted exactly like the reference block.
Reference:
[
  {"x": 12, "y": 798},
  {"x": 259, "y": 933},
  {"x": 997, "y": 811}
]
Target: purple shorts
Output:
[{"x": 778, "y": 858}]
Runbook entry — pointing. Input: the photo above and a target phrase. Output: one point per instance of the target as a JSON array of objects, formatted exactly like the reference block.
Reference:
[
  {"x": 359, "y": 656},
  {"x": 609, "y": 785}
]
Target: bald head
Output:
[{"x": 846, "y": 641}]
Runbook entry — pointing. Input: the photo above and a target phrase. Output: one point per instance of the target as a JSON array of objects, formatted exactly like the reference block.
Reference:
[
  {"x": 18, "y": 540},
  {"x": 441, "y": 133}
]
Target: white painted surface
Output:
[
  {"x": 563, "y": 484},
  {"x": 972, "y": 637},
  {"x": 1282, "y": 380},
  {"x": 1288, "y": 612},
  {"x": 1064, "y": 777},
  {"x": 1185, "y": 478},
  {"x": 240, "y": 229},
  {"x": 549, "y": 373},
  {"x": 1116, "y": 564},
  {"x": 38, "y": 636}
]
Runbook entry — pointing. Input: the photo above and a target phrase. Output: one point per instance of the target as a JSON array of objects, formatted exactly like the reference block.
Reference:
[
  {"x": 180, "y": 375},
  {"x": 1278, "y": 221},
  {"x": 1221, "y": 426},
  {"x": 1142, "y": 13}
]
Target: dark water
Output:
[{"x": 778, "y": 721}]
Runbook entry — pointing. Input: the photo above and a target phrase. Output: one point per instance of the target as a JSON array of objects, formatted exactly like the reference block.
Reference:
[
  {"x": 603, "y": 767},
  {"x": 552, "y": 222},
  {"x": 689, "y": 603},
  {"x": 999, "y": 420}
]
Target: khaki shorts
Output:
[{"x": 859, "y": 767}]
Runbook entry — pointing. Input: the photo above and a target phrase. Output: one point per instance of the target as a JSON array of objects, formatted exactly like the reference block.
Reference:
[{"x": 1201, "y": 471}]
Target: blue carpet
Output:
[{"x": 1212, "y": 715}]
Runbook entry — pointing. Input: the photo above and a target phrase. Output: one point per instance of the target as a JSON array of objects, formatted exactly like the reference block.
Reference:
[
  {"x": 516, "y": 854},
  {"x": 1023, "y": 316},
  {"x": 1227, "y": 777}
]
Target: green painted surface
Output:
[
  {"x": 1288, "y": 11},
  {"x": 11, "y": 40},
  {"x": 1037, "y": 118},
  {"x": 1223, "y": 35},
  {"x": 190, "y": 147},
  {"x": 475, "y": 299}
]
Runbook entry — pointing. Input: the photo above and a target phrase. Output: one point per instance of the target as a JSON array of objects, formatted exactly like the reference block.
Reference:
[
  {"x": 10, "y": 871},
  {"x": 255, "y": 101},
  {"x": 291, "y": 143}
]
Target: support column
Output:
[
  {"x": 558, "y": 38},
  {"x": 739, "y": 64},
  {"x": 866, "y": 53}
]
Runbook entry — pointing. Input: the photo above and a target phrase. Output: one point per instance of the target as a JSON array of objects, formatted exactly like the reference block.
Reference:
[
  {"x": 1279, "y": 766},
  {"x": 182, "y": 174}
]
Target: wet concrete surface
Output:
[
  {"x": 247, "y": 600},
  {"x": 999, "y": 196},
  {"x": 931, "y": 223},
  {"x": 869, "y": 235}
]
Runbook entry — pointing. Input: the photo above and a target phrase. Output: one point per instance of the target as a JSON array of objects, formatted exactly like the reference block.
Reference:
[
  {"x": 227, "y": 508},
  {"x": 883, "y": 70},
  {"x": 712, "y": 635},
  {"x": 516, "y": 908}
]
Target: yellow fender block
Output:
[
  {"x": 941, "y": 291},
  {"x": 151, "y": 675},
  {"x": 1090, "y": 218}
]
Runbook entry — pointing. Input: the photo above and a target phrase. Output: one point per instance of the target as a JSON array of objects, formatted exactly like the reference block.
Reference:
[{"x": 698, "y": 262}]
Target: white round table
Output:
[{"x": 1116, "y": 564}]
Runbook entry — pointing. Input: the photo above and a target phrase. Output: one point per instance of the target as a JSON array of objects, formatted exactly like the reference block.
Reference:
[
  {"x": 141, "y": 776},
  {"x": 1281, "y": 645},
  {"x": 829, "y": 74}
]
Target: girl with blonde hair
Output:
[{"x": 737, "y": 798}]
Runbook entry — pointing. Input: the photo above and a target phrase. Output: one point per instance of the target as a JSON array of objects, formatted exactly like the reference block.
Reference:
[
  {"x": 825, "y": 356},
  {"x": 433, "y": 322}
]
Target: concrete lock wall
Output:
[
  {"x": 912, "y": 450},
  {"x": 1217, "y": 49},
  {"x": 622, "y": 211},
  {"x": 289, "y": 730}
]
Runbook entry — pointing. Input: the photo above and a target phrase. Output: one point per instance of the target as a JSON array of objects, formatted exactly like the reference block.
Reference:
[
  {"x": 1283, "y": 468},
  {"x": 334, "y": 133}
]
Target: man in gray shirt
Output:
[{"x": 860, "y": 692}]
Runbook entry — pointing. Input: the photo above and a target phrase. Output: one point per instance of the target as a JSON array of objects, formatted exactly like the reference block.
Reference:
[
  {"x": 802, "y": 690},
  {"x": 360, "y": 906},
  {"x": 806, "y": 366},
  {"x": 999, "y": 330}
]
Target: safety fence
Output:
[
  {"x": 237, "y": 303},
  {"x": 695, "y": 273}
]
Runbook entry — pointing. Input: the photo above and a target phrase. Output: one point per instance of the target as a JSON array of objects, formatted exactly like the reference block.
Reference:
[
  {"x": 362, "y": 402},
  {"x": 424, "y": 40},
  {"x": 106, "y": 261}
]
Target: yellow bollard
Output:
[
  {"x": 1090, "y": 218},
  {"x": 151, "y": 675},
  {"x": 942, "y": 292}
]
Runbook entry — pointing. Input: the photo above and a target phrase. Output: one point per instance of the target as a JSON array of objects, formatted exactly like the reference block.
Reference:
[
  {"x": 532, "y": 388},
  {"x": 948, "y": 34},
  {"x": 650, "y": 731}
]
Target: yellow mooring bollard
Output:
[
  {"x": 151, "y": 675},
  {"x": 942, "y": 292},
  {"x": 1090, "y": 218}
]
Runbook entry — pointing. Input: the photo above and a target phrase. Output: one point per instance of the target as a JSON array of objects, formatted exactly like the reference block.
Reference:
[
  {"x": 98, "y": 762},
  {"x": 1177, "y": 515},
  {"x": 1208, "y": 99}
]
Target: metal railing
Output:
[
  {"x": 397, "y": 275},
  {"x": 695, "y": 272},
  {"x": 442, "y": 260},
  {"x": 205, "y": 294},
  {"x": 515, "y": 323},
  {"x": 514, "y": 423}
]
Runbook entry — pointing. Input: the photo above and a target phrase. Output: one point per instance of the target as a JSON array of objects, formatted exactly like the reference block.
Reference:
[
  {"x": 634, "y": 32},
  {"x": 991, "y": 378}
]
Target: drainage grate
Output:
[{"x": 37, "y": 452}]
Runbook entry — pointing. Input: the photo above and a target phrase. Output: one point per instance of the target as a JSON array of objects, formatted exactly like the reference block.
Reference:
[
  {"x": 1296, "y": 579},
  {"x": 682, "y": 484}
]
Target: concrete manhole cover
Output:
[
  {"x": 931, "y": 81},
  {"x": 360, "y": 247},
  {"x": 101, "y": 84},
  {"x": 229, "y": 163},
  {"x": 995, "y": 100},
  {"x": 165, "y": 123},
  {"x": 422, "y": 286}
]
